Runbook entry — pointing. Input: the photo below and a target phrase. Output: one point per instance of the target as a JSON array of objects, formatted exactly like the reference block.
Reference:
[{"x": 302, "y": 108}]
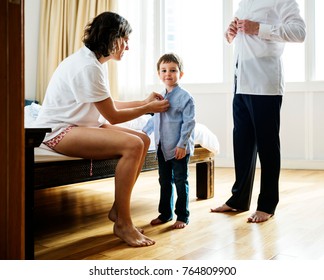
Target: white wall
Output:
[
  {"x": 302, "y": 124},
  {"x": 302, "y": 130},
  {"x": 32, "y": 11}
]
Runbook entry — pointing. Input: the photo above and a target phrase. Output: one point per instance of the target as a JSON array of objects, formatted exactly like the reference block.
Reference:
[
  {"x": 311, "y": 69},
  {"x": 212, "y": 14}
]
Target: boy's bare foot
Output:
[
  {"x": 156, "y": 222},
  {"x": 132, "y": 236},
  {"x": 223, "y": 208},
  {"x": 259, "y": 217},
  {"x": 179, "y": 225}
]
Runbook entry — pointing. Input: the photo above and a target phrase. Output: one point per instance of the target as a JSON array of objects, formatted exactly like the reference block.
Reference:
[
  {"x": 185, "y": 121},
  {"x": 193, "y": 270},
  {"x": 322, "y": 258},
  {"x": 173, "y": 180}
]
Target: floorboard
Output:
[{"x": 71, "y": 222}]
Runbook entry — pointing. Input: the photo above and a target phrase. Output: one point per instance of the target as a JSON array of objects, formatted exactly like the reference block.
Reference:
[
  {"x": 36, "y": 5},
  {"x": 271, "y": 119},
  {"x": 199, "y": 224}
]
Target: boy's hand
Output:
[{"x": 180, "y": 153}]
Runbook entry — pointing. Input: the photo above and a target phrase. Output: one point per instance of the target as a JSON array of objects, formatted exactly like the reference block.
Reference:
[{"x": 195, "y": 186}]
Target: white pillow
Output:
[{"x": 31, "y": 113}]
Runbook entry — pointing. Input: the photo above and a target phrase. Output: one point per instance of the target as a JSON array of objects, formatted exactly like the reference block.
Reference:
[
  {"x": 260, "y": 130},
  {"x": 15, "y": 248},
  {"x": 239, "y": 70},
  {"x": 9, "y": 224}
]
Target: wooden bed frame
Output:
[
  {"x": 59, "y": 173},
  {"x": 41, "y": 175}
]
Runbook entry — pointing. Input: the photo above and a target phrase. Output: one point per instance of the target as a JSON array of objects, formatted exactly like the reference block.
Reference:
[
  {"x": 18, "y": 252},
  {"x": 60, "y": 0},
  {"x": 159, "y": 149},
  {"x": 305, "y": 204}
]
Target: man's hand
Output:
[
  {"x": 248, "y": 27},
  {"x": 231, "y": 31}
]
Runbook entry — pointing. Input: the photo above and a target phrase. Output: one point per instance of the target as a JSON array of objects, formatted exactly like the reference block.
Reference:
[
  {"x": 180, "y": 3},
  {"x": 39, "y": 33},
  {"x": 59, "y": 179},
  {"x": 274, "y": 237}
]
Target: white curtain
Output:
[{"x": 137, "y": 69}]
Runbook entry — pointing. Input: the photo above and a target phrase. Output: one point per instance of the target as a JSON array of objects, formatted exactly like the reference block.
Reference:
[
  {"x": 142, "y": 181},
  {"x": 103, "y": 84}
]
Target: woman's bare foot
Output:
[
  {"x": 112, "y": 216},
  {"x": 179, "y": 225},
  {"x": 132, "y": 236},
  {"x": 223, "y": 208},
  {"x": 259, "y": 217}
]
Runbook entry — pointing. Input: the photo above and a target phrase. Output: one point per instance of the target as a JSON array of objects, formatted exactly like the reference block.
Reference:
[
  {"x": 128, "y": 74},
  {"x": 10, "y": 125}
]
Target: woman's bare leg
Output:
[
  {"x": 146, "y": 140},
  {"x": 143, "y": 136},
  {"x": 103, "y": 143}
]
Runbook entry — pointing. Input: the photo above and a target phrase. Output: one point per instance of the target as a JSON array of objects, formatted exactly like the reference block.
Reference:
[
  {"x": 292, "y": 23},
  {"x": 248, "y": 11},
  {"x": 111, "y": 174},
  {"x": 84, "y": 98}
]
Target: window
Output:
[
  {"x": 319, "y": 41},
  {"x": 195, "y": 32},
  {"x": 294, "y": 56},
  {"x": 137, "y": 69}
]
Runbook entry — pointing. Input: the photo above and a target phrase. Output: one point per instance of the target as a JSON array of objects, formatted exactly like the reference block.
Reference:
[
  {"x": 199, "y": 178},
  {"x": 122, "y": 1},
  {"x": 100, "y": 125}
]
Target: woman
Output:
[{"x": 78, "y": 93}]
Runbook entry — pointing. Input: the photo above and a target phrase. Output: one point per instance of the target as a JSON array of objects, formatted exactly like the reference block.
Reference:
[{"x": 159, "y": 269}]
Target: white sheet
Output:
[{"x": 45, "y": 154}]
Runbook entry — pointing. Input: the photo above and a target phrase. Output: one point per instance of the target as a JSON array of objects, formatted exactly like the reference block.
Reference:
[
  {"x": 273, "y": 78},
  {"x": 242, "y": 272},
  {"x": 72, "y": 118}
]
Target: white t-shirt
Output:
[{"x": 78, "y": 81}]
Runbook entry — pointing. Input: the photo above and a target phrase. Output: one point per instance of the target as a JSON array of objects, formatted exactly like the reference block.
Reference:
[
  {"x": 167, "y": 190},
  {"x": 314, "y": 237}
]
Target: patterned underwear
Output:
[{"x": 54, "y": 141}]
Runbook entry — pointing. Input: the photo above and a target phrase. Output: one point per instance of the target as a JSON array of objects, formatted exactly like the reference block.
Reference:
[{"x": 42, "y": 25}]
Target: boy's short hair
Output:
[{"x": 170, "y": 57}]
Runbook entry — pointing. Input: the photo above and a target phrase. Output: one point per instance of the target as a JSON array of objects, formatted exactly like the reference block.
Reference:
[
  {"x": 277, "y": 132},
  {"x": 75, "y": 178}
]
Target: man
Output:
[{"x": 259, "y": 30}]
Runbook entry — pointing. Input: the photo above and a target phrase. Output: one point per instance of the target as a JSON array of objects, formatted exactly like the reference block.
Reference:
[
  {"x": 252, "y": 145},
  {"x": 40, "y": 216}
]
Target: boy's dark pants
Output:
[{"x": 173, "y": 172}]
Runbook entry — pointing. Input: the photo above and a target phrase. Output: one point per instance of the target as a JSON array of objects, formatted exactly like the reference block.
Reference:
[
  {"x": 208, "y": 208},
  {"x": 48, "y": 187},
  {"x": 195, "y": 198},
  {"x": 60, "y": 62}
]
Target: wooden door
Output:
[{"x": 12, "y": 167}]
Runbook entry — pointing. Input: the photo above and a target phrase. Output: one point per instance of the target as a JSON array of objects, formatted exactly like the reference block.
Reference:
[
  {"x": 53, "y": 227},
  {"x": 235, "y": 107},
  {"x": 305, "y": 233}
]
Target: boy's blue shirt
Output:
[{"x": 175, "y": 127}]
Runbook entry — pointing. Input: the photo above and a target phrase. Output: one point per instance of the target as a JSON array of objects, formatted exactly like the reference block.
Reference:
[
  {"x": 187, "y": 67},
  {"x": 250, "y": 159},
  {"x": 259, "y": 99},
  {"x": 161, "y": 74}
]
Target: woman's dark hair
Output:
[{"x": 101, "y": 34}]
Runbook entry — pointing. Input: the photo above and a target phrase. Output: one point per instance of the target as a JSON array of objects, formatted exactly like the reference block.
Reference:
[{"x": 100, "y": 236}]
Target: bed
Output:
[
  {"x": 45, "y": 168},
  {"x": 52, "y": 169}
]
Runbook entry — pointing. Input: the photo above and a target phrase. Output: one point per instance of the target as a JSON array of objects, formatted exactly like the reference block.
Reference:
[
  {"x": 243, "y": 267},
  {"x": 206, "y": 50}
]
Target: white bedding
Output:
[{"x": 203, "y": 136}]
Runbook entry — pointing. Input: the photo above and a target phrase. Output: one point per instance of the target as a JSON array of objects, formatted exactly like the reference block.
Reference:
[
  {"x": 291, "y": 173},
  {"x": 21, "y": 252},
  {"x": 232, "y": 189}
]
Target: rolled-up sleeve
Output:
[
  {"x": 188, "y": 124},
  {"x": 291, "y": 28}
]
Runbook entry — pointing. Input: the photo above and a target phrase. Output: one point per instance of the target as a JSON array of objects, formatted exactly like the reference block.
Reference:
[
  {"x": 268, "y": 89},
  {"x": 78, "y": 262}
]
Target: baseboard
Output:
[{"x": 285, "y": 164}]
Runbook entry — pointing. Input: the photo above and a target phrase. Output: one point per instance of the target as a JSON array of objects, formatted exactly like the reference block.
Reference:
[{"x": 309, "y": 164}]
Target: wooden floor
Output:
[{"x": 71, "y": 222}]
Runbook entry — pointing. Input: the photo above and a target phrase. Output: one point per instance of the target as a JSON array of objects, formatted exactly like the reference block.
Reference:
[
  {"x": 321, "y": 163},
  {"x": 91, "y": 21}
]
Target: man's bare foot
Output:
[
  {"x": 259, "y": 217},
  {"x": 223, "y": 208},
  {"x": 179, "y": 225},
  {"x": 112, "y": 216},
  {"x": 157, "y": 221},
  {"x": 132, "y": 236}
]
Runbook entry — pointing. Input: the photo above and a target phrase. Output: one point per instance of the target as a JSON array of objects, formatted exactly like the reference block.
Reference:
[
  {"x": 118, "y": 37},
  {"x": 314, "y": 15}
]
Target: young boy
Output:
[{"x": 174, "y": 139}]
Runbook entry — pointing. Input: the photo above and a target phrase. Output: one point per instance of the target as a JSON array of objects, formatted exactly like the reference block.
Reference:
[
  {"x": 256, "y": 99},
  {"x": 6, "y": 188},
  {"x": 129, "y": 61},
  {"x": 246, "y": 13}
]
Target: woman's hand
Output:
[
  {"x": 153, "y": 96},
  {"x": 157, "y": 103},
  {"x": 158, "y": 106}
]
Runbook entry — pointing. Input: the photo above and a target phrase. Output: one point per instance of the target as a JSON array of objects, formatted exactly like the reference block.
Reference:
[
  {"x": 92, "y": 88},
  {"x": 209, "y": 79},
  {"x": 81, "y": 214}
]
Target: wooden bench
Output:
[{"x": 40, "y": 175}]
